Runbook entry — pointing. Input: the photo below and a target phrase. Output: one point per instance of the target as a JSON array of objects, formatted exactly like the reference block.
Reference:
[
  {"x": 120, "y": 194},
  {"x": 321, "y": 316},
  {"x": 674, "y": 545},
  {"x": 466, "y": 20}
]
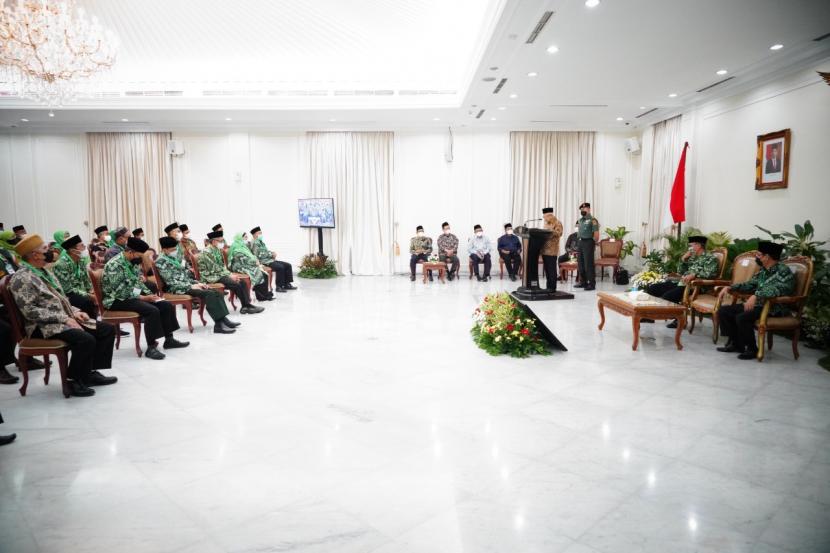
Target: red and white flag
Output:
[{"x": 677, "y": 203}]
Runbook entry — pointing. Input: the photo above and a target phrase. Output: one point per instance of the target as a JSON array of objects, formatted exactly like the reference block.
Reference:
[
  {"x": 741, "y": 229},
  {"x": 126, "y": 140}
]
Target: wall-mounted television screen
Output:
[{"x": 317, "y": 212}]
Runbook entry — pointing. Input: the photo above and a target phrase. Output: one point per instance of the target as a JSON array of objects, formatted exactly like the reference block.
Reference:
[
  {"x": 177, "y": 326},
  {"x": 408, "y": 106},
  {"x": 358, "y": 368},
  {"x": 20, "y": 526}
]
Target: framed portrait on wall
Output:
[{"x": 772, "y": 163}]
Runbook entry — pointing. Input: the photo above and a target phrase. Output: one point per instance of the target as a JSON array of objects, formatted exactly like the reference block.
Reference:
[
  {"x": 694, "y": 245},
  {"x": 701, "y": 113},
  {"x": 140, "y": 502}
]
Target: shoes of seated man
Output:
[
  {"x": 123, "y": 333},
  {"x": 79, "y": 389},
  {"x": 280, "y": 290},
  {"x": 430, "y": 277},
  {"x": 412, "y": 278},
  {"x": 748, "y": 354},
  {"x": 172, "y": 343},
  {"x": 672, "y": 324},
  {"x": 229, "y": 323},
  {"x": 579, "y": 285},
  {"x": 6, "y": 377},
  {"x": 590, "y": 287},
  {"x": 7, "y": 439},
  {"x": 95, "y": 378},
  {"x": 289, "y": 286},
  {"x": 450, "y": 276},
  {"x": 251, "y": 309},
  {"x": 478, "y": 278},
  {"x": 728, "y": 348},
  {"x": 220, "y": 328},
  {"x": 154, "y": 353},
  {"x": 646, "y": 320}
]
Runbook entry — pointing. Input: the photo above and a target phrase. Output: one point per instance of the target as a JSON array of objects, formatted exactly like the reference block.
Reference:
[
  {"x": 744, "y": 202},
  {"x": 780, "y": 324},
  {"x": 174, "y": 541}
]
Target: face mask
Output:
[
  {"x": 136, "y": 261},
  {"x": 479, "y": 234},
  {"x": 446, "y": 231},
  {"x": 186, "y": 235},
  {"x": 176, "y": 235},
  {"x": 759, "y": 262},
  {"x": 220, "y": 245},
  {"x": 420, "y": 233},
  {"x": 583, "y": 213},
  {"x": 509, "y": 231},
  {"x": 169, "y": 252},
  {"x": 49, "y": 256},
  {"x": 106, "y": 238},
  {"x": 140, "y": 237}
]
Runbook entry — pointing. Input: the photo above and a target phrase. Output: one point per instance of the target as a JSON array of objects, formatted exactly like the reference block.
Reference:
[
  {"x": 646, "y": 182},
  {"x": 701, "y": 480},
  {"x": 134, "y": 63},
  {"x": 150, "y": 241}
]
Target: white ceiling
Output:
[{"x": 295, "y": 64}]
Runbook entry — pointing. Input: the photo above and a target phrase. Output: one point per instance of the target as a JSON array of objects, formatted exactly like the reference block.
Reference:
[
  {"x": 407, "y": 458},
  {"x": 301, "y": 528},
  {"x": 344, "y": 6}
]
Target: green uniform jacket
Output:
[
  {"x": 704, "y": 266},
  {"x": 776, "y": 281},
  {"x": 423, "y": 243},
  {"x": 72, "y": 275},
  {"x": 261, "y": 251},
  {"x": 175, "y": 275},
  {"x": 241, "y": 263},
  {"x": 212, "y": 266},
  {"x": 588, "y": 225},
  {"x": 121, "y": 281}
]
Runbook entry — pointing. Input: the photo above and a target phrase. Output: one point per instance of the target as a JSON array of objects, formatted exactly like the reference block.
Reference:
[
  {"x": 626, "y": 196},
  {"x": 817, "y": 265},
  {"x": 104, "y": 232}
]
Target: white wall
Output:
[{"x": 724, "y": 195}]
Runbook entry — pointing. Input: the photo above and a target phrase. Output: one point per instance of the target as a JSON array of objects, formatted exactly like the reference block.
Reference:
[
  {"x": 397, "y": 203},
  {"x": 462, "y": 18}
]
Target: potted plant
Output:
[{"x": 317, "y": 266}]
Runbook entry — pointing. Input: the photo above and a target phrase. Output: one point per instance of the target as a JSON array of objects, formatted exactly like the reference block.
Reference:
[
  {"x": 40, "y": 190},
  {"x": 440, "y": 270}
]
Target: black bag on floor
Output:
[{"x": 622, "y": 277}]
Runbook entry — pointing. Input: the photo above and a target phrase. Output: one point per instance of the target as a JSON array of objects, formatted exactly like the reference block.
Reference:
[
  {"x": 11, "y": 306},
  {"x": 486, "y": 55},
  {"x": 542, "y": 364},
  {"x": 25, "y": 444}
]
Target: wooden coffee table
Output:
[
  {"x": 439, "y": 266},
  {"x": 652, "y": 308}
]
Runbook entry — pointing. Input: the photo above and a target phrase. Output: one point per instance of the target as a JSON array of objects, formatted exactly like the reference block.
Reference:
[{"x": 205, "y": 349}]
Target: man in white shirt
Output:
[{"x": 479, "y": 246}]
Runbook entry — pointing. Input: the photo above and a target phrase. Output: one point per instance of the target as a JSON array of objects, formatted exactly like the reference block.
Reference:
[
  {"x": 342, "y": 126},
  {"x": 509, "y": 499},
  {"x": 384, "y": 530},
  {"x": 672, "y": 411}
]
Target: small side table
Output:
[{"x": 439, "y": 266}]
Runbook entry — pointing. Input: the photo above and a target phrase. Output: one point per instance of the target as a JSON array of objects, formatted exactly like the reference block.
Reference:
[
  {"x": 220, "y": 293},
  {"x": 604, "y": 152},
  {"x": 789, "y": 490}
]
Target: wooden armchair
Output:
[
  {"x": 609, "y": 256},
  {"x": 32, "y": 347},
  {"x": 194, "y": 264},
  {"x": 701, "y": 295},
  {"x": 184, "y": 300},
  {"x": 802, "y": 268},
  {"x": 116, "y": 318}
]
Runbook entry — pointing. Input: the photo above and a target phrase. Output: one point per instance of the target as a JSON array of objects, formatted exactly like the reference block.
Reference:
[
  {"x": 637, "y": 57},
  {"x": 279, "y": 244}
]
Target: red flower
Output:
[
  {"x": 491, "y": 330},
  {"x": 510, "y": 328},
  {"x": 488, "y": 312},
  {"x": 525, "y": 331}
]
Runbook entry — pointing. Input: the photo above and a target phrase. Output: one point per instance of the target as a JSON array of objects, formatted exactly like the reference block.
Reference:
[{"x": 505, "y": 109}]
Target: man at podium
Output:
[{"x": 550, "y": 251}]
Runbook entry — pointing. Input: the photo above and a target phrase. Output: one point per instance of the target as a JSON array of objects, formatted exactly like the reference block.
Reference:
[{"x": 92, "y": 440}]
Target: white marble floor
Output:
[{"x": 356, "y": 415}]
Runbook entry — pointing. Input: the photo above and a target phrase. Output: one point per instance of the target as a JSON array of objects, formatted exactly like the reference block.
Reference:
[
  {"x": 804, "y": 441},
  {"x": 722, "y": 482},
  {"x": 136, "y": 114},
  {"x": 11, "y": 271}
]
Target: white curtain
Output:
[
  {"x": 355, "y": 168},
  {"x": 129, "y": 182},
  {"x": 662, "y": 145},
  {"x": 552, "y": 169}
]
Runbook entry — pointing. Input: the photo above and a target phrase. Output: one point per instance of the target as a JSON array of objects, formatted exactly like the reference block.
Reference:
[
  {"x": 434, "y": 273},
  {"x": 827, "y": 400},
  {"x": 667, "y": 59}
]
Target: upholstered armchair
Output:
[
  {"x": 610, "y": 251},
  {"x": 802, "y": 268}
]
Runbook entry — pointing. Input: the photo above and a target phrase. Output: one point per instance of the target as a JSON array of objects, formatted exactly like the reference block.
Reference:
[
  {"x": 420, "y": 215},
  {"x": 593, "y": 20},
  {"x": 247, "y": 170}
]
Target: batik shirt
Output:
[
  {"x": 72, "y": 275},
  {"x": 212, "y": 266},
  {"x": 776, "y": 281},
  {"x": 42, "y": 305},
  {"x": 447, "y": 242},
  {"x": 241, "y": 263},
  {"x": 423, "y": 243},
  {"x": 175, "y": 275},
  {"x": 261, "y": 251},
  {"x": 188, "y": 245},
  {"x": 122, "y": 281},
  {"x": 704, "y": 265}
]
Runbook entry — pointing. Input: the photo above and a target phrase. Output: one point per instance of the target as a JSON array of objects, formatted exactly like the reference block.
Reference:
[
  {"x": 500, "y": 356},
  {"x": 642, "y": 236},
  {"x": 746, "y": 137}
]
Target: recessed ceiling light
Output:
[
  {"x": 642, "y": 107},
  {"x": 552, "y": 49},
  {"x": 776, "y": 46},
  {"x": 502, "y": 108},
  {"x": 332, "y": 120},
  {"x": 228, "y": 119},
  {"x": 619, "y": 118},
  {"x": 592, "y": 3},
  {"x": 492, "y": 119},
  {"x": 514, "y": 96},
  {"x": 532, "y": 74},
  {"x": 721, "y": 72},
  {"x": 673, "y": 95},
  {"x": 436, "y": 118},
  {"x": 24, "y": 119},
  {"x": 123, "y": 120},
  {"x": 51, "y": 114}
]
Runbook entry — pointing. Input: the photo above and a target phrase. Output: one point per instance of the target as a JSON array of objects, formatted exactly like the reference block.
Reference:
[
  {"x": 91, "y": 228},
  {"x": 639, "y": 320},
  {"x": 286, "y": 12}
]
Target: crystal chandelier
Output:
[{"x": 49, "y": 49}]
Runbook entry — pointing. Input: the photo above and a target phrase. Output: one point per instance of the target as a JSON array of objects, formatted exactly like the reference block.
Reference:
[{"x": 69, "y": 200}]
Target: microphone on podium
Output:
[{"x": 531, "y": 221}]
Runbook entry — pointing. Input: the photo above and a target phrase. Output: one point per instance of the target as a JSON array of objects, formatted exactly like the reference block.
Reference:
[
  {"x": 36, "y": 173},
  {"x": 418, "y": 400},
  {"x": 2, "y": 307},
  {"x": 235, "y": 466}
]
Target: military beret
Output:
[{"x": 585, "y": 204}]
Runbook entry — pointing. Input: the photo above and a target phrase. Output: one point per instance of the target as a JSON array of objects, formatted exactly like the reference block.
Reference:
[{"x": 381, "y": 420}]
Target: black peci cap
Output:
[
  {"x": 137, "y": 245},
  {"x": 167, "y": 242},
  {"x": 70, "y": 243}
]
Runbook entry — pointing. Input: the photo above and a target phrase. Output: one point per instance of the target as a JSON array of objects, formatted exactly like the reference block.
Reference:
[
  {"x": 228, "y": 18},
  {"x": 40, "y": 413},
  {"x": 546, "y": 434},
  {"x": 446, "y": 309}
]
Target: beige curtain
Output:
[
  {"x": 355, "y": 168},
  {"x": 662, "y": 145},
  {"x": 552, "y": 169},
  {"x": 129, "y": 181}
]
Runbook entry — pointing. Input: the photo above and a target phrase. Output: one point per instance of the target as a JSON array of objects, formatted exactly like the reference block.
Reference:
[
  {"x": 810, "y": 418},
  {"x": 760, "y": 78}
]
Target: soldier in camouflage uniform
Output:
[
  {"x": 173, "y": 231},
  {"x": 696, "y": 263},
  {"x": 124, "y": 290},
  {"x": 420, "y": 246},
  {"x": 71, "y": 272},
  {"x": 738, "y": 321},
  {"x": 179, "y": 281},
  {"x": 212, "y": 269}
]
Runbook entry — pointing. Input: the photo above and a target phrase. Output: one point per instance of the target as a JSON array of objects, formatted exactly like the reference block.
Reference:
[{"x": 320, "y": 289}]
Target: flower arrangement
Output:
[
  {"x": 646, "y": 278},
  {"x": 317, "y": 266},
  {"x": 501, "y": 326}
]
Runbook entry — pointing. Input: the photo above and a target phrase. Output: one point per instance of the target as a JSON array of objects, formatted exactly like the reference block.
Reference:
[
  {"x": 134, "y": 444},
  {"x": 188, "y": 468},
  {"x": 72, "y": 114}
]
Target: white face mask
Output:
[
  {"x": 509, "y": 231},
  {"x": 479, "y": 234},
  {"x": 446, "y": 231},
  {"x": 220, "y": 245},
  {"x": 176, "y": 234},
  {"x": 105, "y": 238},
  {"x": 420, "y": 233}
]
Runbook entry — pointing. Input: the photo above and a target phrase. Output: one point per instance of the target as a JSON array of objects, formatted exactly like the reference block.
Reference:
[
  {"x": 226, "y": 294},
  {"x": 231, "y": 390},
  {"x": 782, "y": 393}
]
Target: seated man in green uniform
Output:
[
  {"x": 242, "y": 260},
  {"x": 737, "y": 322},
  {"x": 212, "y": 269},
  {"x": 179, "y": 281},
  {"x": 283, "y": 271},
  {"x": 173, "y": 231},
  {"x": 696, "y": 263},
  {"x": 71, "y": 272},
  {"x": 124, "y": 290}
]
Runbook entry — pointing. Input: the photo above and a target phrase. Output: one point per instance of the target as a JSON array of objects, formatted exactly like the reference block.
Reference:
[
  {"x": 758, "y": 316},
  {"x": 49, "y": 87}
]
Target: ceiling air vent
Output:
[
  {"x": 577, "y": 105},
  {"x": 409, "y": 92},
  {"x": 152, "y": 93},
  {"x": 652, "y": 110},
  {"x": 479, "y": 114},
  {"x": 713, "y": 85},
  {"x": 499, "y": 86},
  {"x": 822, "y": 37},
  {"x": 546, "y": 121},
  {"x": 538, "y": 28},
  {"x": 297, "y": 93},
  {"x": 231, "y": 93}
]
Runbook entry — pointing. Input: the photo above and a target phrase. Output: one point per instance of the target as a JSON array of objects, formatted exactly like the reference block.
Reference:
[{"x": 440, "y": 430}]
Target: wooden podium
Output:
[{"x": 533, "y": 240}]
